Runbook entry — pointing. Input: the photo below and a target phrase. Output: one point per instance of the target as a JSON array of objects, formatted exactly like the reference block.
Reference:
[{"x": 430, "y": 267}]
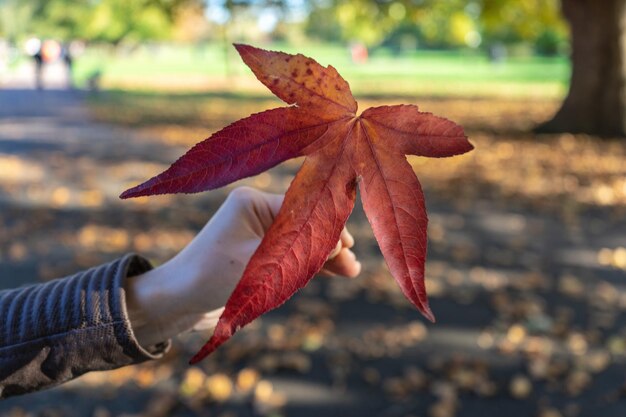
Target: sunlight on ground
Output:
[{"x": 525, "y": 272}]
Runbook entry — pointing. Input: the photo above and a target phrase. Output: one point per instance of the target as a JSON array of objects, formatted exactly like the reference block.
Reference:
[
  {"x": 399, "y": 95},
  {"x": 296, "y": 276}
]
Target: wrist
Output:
[{"x": 155, "y": 310}]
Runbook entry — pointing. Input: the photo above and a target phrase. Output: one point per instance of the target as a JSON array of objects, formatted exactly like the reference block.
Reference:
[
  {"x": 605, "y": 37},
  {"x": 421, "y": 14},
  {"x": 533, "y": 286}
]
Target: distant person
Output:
[
  {"x": 93, "y": 81},
  {"x": 49, "y": 52},
  {"x": 359, "y": 53},
  {"x": 33, "y": 48},
  {"x": 497, "y": 53},
  {"x": 38, "y": 57},
  {"x": 68, "y": 60}
]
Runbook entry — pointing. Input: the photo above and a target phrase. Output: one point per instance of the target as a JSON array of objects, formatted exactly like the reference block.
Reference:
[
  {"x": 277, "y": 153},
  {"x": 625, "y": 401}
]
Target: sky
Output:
[{"x": 268, "y": 16}]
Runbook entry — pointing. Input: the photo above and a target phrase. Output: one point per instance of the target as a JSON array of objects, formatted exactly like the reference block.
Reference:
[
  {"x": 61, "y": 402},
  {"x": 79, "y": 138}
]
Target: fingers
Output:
[
  {"x": 346, "y": 238},
  {"x": 262, "y": 208},
  {"x": 345, "y": 241},
  {"x": 336, "y": 250},
  {"x": 256, "y": 208},
  {"x": 273, "y": 203},
  {"x": 267, "y": 206},
  {"x": 344, "y": 263}
]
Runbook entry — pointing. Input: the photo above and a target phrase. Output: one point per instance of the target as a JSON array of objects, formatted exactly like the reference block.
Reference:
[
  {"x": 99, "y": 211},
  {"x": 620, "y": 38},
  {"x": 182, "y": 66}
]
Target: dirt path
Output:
[{"x": 529, "y": 320}]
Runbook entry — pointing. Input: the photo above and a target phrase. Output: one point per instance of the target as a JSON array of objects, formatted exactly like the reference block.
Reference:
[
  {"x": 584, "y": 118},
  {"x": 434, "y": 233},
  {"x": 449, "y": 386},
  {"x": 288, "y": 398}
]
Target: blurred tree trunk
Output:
[{"x": 596, "y": 102}]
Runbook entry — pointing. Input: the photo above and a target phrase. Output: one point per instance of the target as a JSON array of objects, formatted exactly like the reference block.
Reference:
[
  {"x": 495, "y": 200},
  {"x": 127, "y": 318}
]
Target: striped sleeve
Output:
[{"x": 56, "y": 331}]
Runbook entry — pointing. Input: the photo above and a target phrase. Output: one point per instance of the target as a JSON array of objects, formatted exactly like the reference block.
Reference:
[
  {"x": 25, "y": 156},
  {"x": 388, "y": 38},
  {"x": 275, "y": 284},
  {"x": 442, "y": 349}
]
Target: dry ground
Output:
[{"x": 526, "y": 268}]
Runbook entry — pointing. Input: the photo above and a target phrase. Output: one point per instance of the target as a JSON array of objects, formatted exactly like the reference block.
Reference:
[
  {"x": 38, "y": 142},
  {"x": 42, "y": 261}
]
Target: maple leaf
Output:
[{"x": 342, "y": 149}]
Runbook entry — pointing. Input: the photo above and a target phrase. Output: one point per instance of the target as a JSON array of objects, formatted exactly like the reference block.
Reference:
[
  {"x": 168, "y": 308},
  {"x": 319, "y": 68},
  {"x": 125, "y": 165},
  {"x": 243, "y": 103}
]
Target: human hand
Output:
[{"x": 189, "y": 291}]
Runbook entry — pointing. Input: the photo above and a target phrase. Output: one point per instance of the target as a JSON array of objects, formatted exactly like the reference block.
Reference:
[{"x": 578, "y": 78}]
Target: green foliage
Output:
[
  {"x": 104, "y": 20},
  {"x": 440, "y": 24},
  {"x": 61, "y": 19},
  {"x": 399, "y": 24},
  {"x": 369, "y": 22},
  {"x": 551, "y": 42},
  {"x": 322, "y": 24},
  {"x": 538, "y": 22},
  {"x": 115, "y": 20},
  {"x": 14, "y": 17}
]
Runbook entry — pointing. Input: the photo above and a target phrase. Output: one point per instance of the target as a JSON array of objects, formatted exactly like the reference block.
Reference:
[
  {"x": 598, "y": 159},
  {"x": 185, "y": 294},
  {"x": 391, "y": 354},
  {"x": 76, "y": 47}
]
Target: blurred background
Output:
[{"x": 527, "y": 237}]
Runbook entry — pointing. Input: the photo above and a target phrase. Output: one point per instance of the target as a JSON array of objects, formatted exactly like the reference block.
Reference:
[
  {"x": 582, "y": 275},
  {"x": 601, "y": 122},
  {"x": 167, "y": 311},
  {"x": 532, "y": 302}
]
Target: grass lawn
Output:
[{"x": 433, "y": 73}]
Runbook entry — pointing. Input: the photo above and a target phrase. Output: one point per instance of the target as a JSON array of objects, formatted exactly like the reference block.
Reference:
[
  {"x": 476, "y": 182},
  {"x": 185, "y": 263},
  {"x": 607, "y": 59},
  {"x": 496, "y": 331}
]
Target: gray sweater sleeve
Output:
[{"x": 56, "y": 331}]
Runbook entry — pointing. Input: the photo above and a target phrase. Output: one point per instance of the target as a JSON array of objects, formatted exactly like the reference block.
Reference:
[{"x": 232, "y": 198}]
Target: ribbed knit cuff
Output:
[{"x": 56, "y": 331}]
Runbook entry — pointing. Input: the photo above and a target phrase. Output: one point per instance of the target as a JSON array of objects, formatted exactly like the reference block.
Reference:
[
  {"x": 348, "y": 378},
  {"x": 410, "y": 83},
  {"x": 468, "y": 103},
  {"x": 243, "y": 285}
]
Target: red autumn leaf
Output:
[{"x": 342, "y": 150}]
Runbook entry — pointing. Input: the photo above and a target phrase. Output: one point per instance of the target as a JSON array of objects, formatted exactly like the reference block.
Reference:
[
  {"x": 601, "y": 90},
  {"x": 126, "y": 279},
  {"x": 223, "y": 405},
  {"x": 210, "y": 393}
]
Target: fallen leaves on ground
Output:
[{"x": 527, "y": 311}]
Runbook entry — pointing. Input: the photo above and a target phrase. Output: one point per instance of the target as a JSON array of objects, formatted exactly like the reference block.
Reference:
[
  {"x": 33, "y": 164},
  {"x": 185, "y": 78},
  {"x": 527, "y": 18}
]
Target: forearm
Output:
[
  {"x": 163, "y": 303},
  {"x": 51, "y": 333}
]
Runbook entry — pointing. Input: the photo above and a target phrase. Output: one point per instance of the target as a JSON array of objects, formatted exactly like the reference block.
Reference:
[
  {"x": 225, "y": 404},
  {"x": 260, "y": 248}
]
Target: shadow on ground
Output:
[{"x": 525, "y": 271}]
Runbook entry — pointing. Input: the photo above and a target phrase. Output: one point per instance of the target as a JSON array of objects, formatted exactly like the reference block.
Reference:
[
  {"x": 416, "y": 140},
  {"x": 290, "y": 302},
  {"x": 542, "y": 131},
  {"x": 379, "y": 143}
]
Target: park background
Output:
[{"x": 527, "y": 238}]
